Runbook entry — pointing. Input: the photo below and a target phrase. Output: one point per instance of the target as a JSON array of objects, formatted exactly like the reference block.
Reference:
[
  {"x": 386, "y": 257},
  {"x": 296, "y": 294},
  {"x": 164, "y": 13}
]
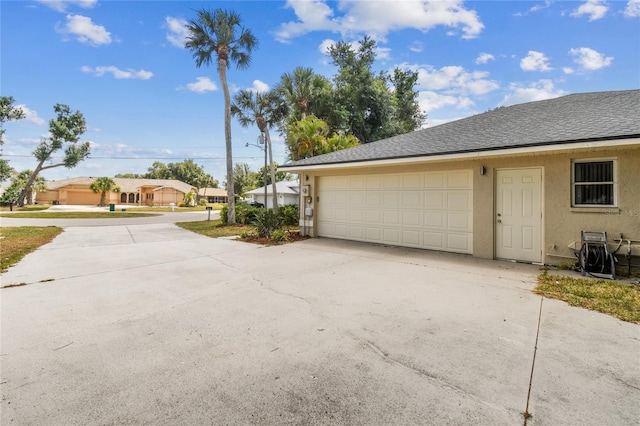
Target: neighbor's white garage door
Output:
[{"x": 432, "y": 210}]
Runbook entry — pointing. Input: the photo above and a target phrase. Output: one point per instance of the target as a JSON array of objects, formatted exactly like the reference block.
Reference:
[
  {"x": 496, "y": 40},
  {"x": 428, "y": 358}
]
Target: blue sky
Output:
[{"x": 121, "y": 63}]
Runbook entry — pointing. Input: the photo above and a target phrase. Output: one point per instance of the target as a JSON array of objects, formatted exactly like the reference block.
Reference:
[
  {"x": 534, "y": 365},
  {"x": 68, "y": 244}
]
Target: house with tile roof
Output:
[
  {"x": 518, "y": 182},
  {"x": 214, "y": 195},
  {"x": 140, "y": 192}
]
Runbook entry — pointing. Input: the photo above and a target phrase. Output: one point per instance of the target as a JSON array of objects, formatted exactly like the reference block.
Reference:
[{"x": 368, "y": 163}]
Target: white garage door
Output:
[{"x": 431, "y": 210}]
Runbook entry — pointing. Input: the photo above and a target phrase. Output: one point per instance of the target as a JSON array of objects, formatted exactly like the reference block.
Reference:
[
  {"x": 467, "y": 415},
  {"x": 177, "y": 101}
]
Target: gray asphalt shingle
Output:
[{"x": 567, "y": 119}]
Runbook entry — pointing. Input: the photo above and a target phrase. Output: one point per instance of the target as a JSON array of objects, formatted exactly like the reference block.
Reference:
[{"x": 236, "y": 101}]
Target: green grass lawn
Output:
[
  {"x": 75, "y": 215},
  {"x": 15, "y": 243},
  {"x": 610, "y": 297},
  {"x": 214, "y": 228}
]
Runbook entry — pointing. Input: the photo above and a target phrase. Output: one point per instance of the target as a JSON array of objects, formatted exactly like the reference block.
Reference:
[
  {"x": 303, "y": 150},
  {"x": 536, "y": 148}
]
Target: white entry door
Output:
[{"x": 519, "y": 214}]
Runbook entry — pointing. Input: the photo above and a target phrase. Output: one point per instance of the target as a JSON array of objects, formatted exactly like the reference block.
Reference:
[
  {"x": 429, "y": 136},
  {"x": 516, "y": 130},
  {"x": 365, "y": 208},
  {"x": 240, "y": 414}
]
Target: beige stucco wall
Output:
[
  {"x": 166, "y": 196},
  {"x": 561, "y": 223}
]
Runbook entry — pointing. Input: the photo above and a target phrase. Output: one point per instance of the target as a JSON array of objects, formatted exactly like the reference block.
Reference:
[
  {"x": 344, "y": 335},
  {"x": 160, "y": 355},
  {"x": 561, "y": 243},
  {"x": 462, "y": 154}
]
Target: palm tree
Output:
[
  {"x": 306, "y": 138},
  {"x": 103, "y": 185},
  {"x": 217, "y": 35},
  {"x": 264, "y": 110},
  {"x": 301, "y": 88}
]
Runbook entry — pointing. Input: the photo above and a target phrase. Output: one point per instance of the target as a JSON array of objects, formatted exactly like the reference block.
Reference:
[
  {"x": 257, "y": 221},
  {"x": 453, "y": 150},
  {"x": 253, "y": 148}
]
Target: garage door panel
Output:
[
  {"x": 373, "y": 200},
  {"x": 374, "y": 182},
  {"x": 391, "y": 236},
  {"x": 429, "y": 209},
  {"x": 357, "y": 182},
  {"x": 412, "y": 238},
  {"x": 374, "y": 217},
  {"x": 434, "y": 180},
  {"x": 373, "y": 234},
  {"x": 411, "y": 218},
  {"x": 357, "y": 215},
  {"x": 459, "y": 221},
  {"x": 392, "y": 182},
  {"x": 341, "y": 214},
  {"x": 459, "y": 242},
  {"x": 391, "y": 217},
  {"x": 414, "y": 180},
  {"x": 459, "y": 201},
  {"x": 434, "y": 200},
  {"x": 390, "y": 199},
  {"x": 433, "y": 240},
  {"x": 434, "y": 220},
  {"x": 356, "y": 199},
  {"x": 357, "y": 232},
  {"x": 411, "y": 199}
]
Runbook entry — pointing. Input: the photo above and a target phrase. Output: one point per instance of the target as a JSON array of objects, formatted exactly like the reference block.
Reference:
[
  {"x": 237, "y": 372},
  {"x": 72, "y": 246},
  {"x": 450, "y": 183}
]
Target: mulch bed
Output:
[{"x": 291, "y": 238}]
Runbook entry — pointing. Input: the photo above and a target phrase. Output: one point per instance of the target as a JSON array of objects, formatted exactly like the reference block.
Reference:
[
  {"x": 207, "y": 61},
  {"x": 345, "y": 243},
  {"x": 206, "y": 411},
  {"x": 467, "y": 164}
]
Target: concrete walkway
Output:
[{"x": 150, "y": 324}]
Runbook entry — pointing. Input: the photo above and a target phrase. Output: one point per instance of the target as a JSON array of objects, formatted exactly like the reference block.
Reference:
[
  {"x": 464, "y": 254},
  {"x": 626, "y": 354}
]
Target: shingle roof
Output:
[
  {"x": 571, "y": 118},
  {"x": 212, "y": 192}
]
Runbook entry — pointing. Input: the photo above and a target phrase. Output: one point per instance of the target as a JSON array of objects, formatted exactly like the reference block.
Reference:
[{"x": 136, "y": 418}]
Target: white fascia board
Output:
[{"x": 476, "y": 155}]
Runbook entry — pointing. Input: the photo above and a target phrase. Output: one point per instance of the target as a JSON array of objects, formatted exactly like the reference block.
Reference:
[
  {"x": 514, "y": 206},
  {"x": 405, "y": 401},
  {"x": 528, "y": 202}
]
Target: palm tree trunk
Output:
[
  {"x": 231, "y": 212},
  {"x": 273, "y": 174}
]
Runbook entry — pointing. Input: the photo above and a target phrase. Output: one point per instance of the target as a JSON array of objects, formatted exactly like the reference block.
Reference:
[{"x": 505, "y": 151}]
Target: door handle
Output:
[{"x": 499, "y": 221}]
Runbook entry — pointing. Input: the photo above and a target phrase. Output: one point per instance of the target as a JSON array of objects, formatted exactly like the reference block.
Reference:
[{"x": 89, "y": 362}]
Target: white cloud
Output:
[
  {"x": 590, "y": 59},
  {"x": 259, "y": 87},
  {"x": 30, "y": 115},
  {"x": 633, "y": 9},
  {"x": 201, "y": 85},
  {"x": 378, "y": 18},
  {"x": 117, "y": 73},
  {"x": 325, "y": 45},
  {"x": 484, "y": 58},
  {"x": 430, "y": 101},
  {"x": 595, "y": 9},
  {"x": 177, "y": 34},
  {"x": 537, "y": 91},
  {"x": 453, "y": 80},
  {"x": 568, "y": 70},
  {"x": 85, "y": 30},
  {"x": 416, "y": 47},
  {"x": 61, "y": 5},
  {"x": 535, "y": 61},
  {"x": 535, "y": 8}
]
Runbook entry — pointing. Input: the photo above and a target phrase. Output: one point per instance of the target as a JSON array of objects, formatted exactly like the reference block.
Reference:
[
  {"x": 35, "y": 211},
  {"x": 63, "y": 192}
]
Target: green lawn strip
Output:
[
  {"x": 610, "y": 297},
  {"x": 75, "y": 215},
  {"x": 27, "y": 208},
  {"x": 214, "y": 228},
  {"x": 15, "y": 243},
  {"x": 214, "y": 206}
]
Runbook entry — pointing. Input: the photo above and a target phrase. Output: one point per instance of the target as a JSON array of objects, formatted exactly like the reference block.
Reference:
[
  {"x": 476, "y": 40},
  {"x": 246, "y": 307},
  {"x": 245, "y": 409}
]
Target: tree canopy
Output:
[
  {"x": 64, "y": 135},
  {"x": 8, "y": 112},
  {"x": 357, "y": 106},
  {"x": 103, "y": 185},
  {"x": 187, "y": 171}
]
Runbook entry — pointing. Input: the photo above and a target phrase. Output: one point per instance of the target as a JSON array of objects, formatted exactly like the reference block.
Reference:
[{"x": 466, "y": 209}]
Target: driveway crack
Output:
[
  {"x": 526, "y": 413},
  {"x": 388, "y": 358}
]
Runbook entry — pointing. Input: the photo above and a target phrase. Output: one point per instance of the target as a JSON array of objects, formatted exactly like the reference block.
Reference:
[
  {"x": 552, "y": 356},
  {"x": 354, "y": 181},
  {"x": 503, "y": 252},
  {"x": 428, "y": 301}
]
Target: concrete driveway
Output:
[{"x": 153, "y": 325}]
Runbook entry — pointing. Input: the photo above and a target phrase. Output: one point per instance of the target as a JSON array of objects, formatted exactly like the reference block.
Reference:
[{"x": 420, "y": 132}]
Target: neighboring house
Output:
[
  {"x": 287, "y": 191},
  {"x": 158, "y": 192},
  {"x": 518, "y": 182},
  {"x": 214, "y": 195}
]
